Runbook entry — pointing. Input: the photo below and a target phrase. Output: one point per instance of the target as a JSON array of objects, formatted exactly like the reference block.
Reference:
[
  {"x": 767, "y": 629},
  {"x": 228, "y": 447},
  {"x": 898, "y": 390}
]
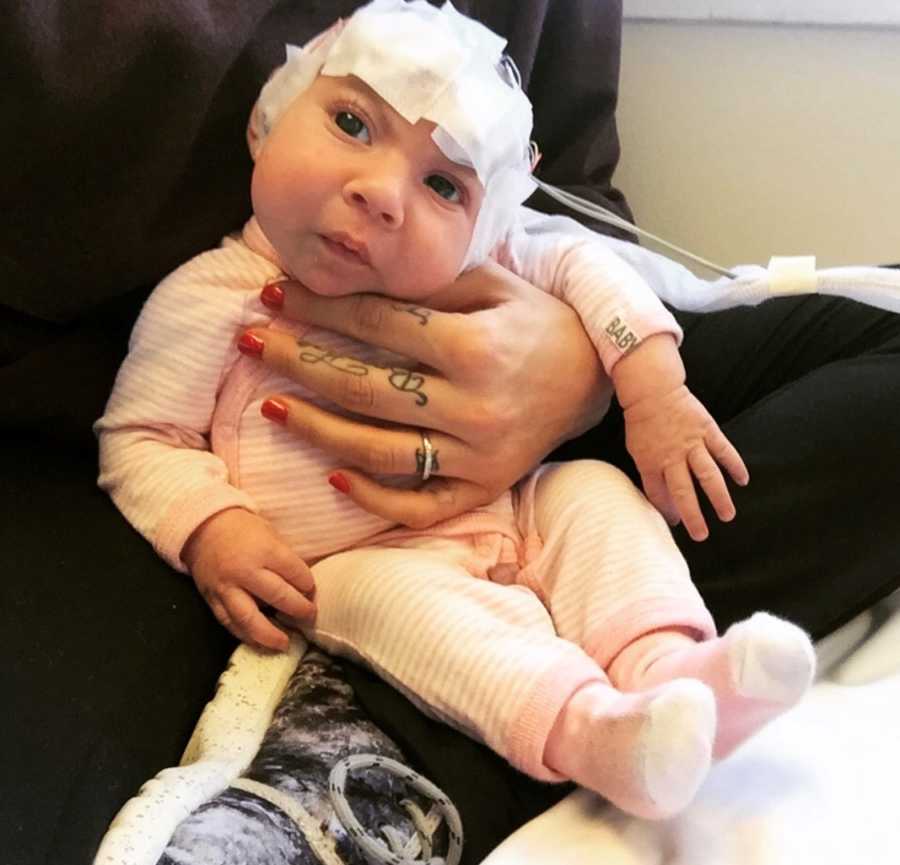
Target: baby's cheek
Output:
[
  {"x": 277, "y": 192},
  {"x": 428, "y": 273},
  {"x": 266, "y": 196}
]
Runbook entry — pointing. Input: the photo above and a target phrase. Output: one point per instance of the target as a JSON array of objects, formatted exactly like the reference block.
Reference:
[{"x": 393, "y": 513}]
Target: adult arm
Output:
[
  {"x": 573, "y": 87},
  {"x": 568, "y": 54}
]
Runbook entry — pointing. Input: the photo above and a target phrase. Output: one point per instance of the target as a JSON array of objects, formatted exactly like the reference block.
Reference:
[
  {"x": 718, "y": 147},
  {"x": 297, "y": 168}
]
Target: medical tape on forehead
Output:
[
  {"x": 438, "y": 65},
  {"x": 432, "y": 63}
]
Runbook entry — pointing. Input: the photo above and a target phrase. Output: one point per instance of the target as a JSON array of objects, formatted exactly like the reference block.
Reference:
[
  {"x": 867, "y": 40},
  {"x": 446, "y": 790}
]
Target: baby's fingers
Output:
[
  {"x": 726, "y": 454},
  {"x": 658, "y": 494},
  {"x": 278, "y": 593},
  {"x": 288, "y": 565},
  {"x": 239, "y": 613},
  {"x": 711, "y": 481},
  {"x": 684, "y": 496}
]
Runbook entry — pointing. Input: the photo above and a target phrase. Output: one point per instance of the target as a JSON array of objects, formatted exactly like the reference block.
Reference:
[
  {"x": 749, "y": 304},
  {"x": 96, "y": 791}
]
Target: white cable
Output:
[
  {"x": 321, "y": 844},
  {"x": 590, "y": 208},
  {"x": 373, "y": 847}
]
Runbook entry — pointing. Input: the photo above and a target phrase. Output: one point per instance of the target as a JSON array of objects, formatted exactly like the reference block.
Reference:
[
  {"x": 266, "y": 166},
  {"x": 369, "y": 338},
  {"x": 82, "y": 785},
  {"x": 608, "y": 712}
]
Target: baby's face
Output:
[{"x": 356, "y": 199}]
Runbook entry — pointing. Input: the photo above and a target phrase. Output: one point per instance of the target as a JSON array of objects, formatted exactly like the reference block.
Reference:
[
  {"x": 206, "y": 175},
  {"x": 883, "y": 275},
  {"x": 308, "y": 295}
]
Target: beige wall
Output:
[{"x": 744, "y": 141}]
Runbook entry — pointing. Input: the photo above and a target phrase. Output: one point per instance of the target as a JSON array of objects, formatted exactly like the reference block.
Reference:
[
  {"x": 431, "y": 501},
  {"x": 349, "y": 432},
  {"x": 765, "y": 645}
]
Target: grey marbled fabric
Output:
[{"x": 317, "y": 723}]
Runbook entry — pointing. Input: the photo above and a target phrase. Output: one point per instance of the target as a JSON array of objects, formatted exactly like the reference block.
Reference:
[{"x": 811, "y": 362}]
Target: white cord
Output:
[
  {"x": 321, "y": 844},
  {"x": 374, "y": 847},
  {"x": 590, "y": 208}
]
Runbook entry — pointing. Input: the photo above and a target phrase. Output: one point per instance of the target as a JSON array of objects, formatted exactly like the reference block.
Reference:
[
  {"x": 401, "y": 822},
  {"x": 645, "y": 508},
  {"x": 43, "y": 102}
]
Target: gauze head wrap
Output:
[{"x": 432, "y": 63}]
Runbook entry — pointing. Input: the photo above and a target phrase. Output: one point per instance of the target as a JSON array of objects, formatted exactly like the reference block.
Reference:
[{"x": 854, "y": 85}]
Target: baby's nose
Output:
[{"x": 380, "y": 194}]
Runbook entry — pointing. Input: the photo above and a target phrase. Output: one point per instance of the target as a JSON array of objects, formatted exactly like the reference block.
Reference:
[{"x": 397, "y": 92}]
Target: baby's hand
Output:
[
  {"x": 237, "y": 561},
  {"x": 674, "y": 439}
]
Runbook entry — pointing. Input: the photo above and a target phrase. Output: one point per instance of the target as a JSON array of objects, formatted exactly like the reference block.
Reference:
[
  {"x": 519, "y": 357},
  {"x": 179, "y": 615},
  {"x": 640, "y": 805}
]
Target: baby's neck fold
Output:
[{"x": 253, "y": 235}]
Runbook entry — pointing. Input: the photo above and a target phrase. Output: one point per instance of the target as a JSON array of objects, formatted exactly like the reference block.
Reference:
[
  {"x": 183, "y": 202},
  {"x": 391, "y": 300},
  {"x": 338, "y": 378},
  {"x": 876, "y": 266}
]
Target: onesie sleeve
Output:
[
  {"x": 155, "y": 459},
  {"x": 616, "y": 305}
]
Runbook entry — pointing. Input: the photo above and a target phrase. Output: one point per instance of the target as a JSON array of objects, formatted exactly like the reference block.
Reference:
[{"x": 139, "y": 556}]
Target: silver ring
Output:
[{"x": 427, "y": 462}]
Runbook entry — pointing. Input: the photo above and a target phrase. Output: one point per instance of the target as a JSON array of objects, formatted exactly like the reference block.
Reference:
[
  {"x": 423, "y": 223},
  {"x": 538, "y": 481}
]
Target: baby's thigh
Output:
[
  {"x": 371, "y": 591},
  {"x": 589, "y": 496},
  {"x": 602, "y": 558}
]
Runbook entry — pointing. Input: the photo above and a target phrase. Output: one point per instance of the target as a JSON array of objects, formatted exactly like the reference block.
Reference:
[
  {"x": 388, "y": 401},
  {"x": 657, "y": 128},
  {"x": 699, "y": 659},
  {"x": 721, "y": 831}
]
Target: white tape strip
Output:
[{"x": 795, "y": 274}]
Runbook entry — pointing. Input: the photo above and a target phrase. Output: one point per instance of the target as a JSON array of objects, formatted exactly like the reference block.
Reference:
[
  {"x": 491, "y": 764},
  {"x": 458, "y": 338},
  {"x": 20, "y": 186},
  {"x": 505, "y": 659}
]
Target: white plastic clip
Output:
[{"x": 792, "y": 274}]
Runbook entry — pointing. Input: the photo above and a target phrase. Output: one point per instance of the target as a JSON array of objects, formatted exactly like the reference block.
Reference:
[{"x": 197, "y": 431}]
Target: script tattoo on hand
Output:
[
  {"x": 419, "y": 312},
  {"x": 399, "y": 378},
  {"x": 310, "y": 353},
  {"x": 409, "y": 381}
]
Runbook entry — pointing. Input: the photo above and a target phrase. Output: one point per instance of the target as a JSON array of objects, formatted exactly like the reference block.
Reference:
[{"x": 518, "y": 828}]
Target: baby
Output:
[{"x": 559, "y": 624}]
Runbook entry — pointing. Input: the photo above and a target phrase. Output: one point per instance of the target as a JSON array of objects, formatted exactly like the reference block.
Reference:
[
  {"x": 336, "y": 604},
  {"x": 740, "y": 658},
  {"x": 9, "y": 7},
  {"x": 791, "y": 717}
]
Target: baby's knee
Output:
[
  {"x": 578, "y": 492},
  {"x": 587, "y": 474}
]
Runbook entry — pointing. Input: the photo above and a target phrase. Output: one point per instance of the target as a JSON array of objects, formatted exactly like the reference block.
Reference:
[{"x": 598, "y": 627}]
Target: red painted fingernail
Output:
[
  {"x": 339, "y": 482},
  {"x": 251, "y": 345},
  {"x": 274, "y": 410},
  {"x": 273, "y": 296}
]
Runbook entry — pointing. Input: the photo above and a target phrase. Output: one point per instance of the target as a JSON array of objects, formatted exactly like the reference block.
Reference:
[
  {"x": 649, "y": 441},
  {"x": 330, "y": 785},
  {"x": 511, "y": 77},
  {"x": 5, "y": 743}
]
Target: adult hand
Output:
[{"x": 500, "y": 374}]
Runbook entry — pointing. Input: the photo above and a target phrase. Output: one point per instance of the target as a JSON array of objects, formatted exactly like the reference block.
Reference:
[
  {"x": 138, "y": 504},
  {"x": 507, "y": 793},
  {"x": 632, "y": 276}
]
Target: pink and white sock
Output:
[
  {"x": 646, "y": 753},
  {"x": 758, "y": 669}
]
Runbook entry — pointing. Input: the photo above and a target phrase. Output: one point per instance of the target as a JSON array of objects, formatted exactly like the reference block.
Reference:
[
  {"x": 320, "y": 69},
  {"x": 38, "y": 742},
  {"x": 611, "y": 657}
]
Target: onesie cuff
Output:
[
  {"x": 553, "y": 688},
  {"x": 624, "y": 330},
  {"x": 187, "y": 512}
]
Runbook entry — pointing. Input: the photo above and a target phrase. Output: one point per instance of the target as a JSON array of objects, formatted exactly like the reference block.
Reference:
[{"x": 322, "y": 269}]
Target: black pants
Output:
[{"x": 108, "y": 657}]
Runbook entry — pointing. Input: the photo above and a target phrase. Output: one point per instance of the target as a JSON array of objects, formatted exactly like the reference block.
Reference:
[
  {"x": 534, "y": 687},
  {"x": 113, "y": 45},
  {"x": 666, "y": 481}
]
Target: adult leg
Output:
[{"x": 808, "y": 391}]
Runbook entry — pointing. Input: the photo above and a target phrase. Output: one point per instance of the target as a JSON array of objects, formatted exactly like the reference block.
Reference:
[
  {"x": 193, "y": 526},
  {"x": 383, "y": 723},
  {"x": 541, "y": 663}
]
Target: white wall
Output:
[
  {"x": 870, "y": 12},
  {"x": 744, "y": 141}
]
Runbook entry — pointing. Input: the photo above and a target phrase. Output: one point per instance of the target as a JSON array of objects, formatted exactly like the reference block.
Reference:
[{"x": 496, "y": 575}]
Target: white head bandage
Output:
[{"x": 434, "y": 64}]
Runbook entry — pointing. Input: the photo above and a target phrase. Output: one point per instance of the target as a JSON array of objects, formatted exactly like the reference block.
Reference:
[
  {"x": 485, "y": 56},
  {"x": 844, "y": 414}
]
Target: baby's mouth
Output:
[{"x": 346, "y": 248}]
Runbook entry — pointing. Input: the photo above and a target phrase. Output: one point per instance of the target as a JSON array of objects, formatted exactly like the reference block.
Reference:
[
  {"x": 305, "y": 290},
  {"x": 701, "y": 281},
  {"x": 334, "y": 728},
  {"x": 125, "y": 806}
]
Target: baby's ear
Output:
[{"x": 255, "y": 133}]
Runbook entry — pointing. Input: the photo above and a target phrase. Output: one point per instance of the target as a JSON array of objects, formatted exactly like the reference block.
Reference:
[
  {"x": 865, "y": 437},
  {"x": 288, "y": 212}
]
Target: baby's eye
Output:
[
  {"x": 443, "y": 187},
  {"x": 352, "y": 125}
]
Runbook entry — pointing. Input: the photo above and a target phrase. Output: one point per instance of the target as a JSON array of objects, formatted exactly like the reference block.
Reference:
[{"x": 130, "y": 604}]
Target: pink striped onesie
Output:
[{"x": 489, "y": 621}]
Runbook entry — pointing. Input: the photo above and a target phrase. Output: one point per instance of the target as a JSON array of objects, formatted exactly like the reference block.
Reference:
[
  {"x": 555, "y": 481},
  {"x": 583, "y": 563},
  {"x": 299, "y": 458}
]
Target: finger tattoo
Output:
[
  {"x": 311, "y": 354},
  {"x": 419, "y": 312},
  {"x": 407, "y": 380}
]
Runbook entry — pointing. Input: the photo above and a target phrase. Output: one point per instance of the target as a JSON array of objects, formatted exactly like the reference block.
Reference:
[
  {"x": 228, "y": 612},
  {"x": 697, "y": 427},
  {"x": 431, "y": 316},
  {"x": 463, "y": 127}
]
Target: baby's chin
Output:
[
  {"x": 330, "y": 289},
  {"x": 326, "y": 284},
  {"x": 332, "y": 285},
  {"x": 325, "y": 280}
]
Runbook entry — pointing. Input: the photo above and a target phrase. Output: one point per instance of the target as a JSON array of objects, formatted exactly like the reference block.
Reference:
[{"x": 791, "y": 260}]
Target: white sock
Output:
[
  {"x": 758, "y": 669},
  {"x": 647, "y": 753}
]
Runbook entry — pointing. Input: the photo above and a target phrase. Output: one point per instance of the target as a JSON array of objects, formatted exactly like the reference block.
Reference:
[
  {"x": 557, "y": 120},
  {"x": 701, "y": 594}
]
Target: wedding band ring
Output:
[{"x": 427, "y": 456}]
